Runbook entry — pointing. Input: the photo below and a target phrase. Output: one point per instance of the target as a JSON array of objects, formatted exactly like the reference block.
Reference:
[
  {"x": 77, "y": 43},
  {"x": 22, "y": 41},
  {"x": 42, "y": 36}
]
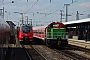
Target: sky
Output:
[{"x": 43, "y": 12}]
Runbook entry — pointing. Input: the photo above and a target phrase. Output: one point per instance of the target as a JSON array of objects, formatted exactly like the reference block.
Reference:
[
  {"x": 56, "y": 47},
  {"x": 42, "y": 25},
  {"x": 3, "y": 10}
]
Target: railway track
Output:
[
  {"x": 42, "y": 52},
  {"x": 80, "y": 48},
  {"x": 34, "y": 53},
  {"x": 72, "y": 55},
  {"x": 50, "y": 54},
  {"x": 75, "y": 52},
  {"x": 22, "y": 52},
  {"x": 63, "y": 54},
  {"x": 27, "y": 53}
]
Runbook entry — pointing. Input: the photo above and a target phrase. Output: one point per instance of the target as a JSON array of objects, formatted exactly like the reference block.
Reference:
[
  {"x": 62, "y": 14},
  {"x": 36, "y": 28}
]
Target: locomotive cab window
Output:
[{"x": 55, "y": 25}]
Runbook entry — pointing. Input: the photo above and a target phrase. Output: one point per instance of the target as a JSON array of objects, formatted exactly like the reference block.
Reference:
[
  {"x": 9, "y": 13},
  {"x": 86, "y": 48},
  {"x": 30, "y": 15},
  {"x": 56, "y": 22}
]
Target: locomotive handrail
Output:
[{"x": 56, "y": 35}]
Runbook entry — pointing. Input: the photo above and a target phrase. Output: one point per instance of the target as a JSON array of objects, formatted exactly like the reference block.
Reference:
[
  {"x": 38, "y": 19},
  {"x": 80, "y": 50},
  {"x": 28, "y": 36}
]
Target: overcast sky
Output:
[{"x": 44, "y": 11}]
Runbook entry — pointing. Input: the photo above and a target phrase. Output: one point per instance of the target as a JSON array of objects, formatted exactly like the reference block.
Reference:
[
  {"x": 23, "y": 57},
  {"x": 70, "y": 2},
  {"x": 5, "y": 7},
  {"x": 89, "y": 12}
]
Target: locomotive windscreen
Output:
[{"x": 26, "y": 29}]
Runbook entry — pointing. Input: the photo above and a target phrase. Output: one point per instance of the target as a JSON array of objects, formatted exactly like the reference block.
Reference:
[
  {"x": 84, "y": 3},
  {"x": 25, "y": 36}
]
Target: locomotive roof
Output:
[{"x": 10, "y": 23}]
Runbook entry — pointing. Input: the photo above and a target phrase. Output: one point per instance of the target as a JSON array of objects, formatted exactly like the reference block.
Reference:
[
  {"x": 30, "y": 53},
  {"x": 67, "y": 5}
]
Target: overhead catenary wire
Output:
[
  {"x": 59, "y": 9},
  {"x": 81, "y": 12},
  {"x": 31, "y": 7}
]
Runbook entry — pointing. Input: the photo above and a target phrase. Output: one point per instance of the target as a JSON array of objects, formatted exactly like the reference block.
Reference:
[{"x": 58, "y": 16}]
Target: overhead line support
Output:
[{"x": 66, "y": 11}]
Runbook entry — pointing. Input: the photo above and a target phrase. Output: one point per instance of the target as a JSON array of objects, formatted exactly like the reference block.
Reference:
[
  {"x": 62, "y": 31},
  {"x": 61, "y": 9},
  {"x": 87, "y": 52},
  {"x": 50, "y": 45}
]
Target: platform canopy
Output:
[{"x": 77, "y": 22}]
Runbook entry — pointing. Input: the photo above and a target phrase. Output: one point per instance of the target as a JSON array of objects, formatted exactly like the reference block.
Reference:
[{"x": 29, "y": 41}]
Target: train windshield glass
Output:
[{"x": 26, "y": 29}]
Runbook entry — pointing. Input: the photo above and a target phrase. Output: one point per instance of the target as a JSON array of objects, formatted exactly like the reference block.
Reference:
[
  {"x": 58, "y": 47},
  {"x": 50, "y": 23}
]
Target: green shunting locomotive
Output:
[{"x": 56, "y": 35}]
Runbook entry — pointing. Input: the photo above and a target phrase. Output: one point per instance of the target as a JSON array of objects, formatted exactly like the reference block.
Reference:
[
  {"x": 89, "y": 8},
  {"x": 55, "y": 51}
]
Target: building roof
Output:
[
  {"x": 10, "y": 23},
  {"x": 77, "y": 21}
]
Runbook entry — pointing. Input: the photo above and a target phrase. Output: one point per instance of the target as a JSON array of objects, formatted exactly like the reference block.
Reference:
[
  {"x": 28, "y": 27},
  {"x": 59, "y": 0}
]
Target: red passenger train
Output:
[
  {"x": 25, "y": 33},
  {"x": 53, "y": 34}
]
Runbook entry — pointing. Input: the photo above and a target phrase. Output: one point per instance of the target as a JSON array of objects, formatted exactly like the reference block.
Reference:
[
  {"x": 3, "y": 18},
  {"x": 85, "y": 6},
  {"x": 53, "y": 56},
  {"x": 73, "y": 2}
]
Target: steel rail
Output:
[
  {"x": 29, "y": 56},
  {"x": 39, "y": 53}
]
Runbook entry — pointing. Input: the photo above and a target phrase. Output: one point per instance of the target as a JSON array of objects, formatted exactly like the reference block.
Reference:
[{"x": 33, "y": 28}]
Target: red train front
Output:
[{"x": 25, "y": 33}]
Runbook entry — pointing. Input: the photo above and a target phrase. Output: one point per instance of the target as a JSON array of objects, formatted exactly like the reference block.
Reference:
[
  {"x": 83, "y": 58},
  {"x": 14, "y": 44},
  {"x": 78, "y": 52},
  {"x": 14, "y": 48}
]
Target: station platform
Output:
[{"x": 80, "y": 43}]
